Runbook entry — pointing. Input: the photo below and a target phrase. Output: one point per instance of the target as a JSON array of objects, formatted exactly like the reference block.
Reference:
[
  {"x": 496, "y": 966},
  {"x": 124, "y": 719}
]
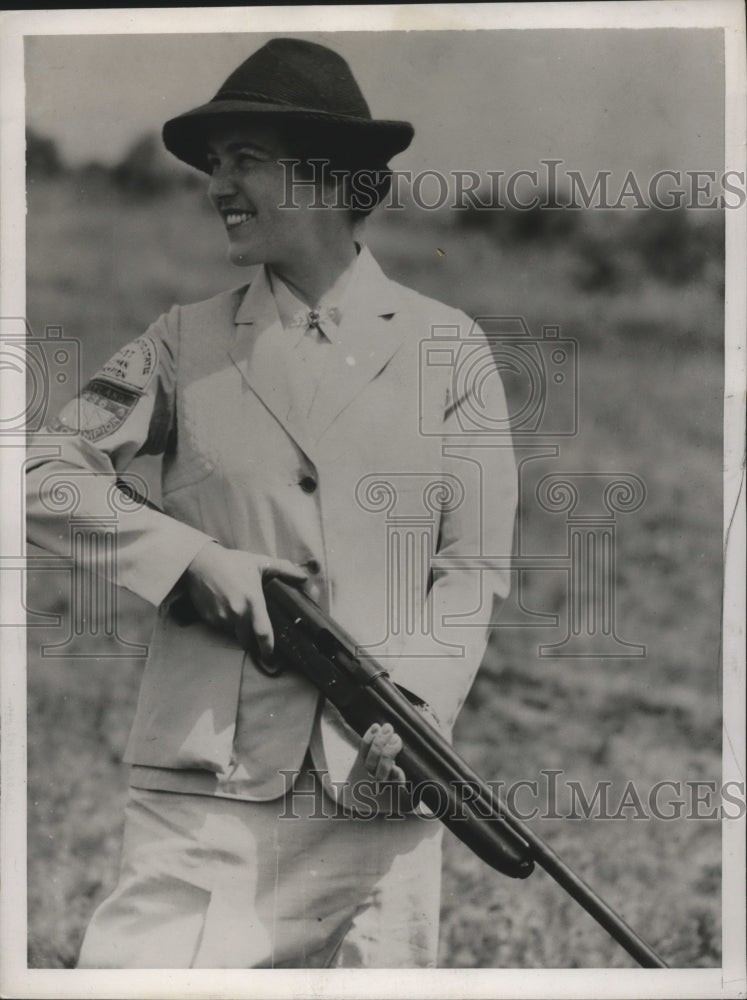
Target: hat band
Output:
[
  {"x": 275, "y": 99},
  {"x": 249, "y": 95}
]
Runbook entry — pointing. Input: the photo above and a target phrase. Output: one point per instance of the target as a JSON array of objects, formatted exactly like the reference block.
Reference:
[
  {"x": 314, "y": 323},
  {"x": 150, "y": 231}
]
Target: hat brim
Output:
[{"x": 368, "y": 139}]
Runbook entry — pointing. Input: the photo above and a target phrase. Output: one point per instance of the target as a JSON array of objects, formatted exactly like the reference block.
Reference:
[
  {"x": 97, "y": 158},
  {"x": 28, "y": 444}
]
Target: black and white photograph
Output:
[{"x": 372, "y": 441}]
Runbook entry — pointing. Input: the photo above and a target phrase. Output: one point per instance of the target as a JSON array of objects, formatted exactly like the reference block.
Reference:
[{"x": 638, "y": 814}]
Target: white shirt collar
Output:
[{"x": 294, "y": 313}]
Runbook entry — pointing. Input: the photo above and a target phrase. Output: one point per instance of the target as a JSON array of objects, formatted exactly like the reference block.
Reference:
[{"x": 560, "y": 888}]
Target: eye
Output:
[
  {"x": 248, "y": 158},
  {"x": 212, "y": 163}
]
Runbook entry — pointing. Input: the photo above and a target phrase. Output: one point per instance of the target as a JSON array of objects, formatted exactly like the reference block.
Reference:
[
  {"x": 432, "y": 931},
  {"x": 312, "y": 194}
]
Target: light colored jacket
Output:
[{"x": 353, "y": 489}]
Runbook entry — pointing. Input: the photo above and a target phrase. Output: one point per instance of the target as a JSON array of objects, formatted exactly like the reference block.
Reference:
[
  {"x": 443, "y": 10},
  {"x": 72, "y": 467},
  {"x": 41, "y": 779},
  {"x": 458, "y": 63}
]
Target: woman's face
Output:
[{"x": 248, "y": 187}]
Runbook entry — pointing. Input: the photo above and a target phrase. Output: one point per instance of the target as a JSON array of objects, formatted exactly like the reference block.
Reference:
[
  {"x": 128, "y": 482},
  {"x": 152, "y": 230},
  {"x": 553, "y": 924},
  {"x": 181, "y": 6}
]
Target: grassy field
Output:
[{"x": 644, "y": 303}]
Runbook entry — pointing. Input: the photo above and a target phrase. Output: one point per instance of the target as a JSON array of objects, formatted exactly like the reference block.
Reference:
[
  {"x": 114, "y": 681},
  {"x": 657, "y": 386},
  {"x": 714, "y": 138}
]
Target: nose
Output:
[{"x": 222, "y": 184}]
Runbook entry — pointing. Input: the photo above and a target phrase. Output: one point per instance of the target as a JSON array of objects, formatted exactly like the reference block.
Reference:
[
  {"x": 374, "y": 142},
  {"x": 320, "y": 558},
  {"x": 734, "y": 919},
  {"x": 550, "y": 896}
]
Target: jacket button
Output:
[
  {"x": 308, "y": 484},
  {"x": 312, "y": 566}
]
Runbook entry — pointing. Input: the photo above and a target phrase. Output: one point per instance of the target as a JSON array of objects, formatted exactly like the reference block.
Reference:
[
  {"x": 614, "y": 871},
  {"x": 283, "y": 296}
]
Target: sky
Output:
[{"x": 617, "y": 99}]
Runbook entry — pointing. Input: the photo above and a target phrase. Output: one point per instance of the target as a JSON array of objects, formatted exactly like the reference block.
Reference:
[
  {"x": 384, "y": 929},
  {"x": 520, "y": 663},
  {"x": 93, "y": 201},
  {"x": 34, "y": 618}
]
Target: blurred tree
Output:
[
  {"x": 147, "y": 169},
  {"x": 598, "y": 257},
  {"x": 508, "y": 225},
  {"x": 671, "y": 247},
  {"x": 538, "y": 223},
  {"x": 42, "y": 156}
]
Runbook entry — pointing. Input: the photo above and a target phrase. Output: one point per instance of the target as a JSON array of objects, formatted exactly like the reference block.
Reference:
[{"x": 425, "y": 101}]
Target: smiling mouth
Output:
[{"x": 233, "y": 219}]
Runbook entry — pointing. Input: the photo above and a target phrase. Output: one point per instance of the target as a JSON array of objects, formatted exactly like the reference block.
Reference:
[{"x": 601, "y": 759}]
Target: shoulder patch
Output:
[
  {"x": 133, "y": 366},
  {"x": 108, "y": 399},
  {"x": 99, "y": 410}
]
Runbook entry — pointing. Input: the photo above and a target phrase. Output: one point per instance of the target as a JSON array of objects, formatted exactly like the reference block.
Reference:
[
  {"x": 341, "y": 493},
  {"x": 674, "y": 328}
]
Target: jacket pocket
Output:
[{"x": 186, "y": 713}]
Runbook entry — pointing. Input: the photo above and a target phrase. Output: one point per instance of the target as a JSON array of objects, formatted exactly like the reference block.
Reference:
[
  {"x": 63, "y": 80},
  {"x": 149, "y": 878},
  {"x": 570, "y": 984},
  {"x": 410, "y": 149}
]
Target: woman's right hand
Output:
[{"x": 225, "y": 588}]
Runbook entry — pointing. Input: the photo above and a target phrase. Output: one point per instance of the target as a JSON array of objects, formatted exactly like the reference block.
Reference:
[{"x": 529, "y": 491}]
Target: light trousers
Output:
[{"x": 211, "y": 882}]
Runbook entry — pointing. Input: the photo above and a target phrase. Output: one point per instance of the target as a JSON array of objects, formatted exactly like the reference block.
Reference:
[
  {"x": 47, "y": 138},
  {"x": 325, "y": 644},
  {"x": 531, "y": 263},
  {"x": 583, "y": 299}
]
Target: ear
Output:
[{"x": 367, "y": 187}]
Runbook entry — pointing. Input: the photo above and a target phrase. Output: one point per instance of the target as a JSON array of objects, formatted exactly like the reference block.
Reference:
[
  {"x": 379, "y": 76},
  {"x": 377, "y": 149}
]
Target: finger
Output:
[
  {"x": 283, "y": 568},
  {"x": 368, "y": 736},
  {"x": 382, "y": 752},
  {"x": 386, "y": 760},
  {"x": 378, "y": 743},
  {"x": 383, "y": 768},
  {"x": 262, "y": 627},
  {"x": 244, "y": 634}
]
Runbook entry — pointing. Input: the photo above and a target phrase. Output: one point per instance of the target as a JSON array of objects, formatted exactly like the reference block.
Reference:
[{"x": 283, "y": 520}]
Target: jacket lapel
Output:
[
  {"x": 261, "y": 352},
  {"x": 369, "y": 336}
]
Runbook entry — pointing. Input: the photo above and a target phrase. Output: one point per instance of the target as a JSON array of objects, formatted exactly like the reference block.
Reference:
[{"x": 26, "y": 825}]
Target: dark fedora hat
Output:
[{"x": 297, "y": 82}]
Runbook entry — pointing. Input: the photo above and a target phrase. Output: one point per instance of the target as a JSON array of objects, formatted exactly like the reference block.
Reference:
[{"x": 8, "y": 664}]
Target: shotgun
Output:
[{"x": 309, "y": 641}]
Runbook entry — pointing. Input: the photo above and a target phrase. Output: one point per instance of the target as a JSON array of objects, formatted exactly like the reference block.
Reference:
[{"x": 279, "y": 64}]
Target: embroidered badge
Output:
[
  {"x": 134, "y": 365},
  {"x": 111, "y": 395},
  {"x": 101, "y": 409}
]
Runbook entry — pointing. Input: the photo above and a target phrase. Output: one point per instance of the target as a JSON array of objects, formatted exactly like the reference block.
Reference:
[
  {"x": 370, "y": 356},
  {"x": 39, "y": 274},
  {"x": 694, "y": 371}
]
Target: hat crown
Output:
[
  {"x": 304, "y": 85},
  {"x": 300, "y": 74}
]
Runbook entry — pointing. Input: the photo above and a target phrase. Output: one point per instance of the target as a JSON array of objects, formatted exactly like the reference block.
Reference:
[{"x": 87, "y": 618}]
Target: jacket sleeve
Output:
[
  {"x": 127, "y": 409},
  {"x": 470, "y": 574}
]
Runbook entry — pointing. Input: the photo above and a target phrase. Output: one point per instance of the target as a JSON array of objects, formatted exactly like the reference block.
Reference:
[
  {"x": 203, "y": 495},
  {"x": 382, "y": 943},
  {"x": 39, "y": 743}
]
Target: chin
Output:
[{"x": 242, "y": 257}]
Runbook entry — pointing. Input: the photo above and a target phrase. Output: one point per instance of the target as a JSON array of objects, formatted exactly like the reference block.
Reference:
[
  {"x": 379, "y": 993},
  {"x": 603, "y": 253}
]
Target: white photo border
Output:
[{"x": 729, "y": 981}]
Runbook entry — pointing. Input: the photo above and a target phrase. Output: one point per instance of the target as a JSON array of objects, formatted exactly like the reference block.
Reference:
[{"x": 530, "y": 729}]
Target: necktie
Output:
[{"x": 310, "y": 354}]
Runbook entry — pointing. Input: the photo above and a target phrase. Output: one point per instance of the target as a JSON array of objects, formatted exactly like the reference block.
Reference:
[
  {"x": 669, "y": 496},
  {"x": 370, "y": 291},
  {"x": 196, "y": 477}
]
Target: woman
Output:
[{"x": 290, "y": 413}]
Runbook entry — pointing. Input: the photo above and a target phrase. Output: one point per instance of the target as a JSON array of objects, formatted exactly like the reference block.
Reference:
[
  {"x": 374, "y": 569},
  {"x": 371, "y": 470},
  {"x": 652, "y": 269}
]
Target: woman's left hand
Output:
[{"x": 379, "y": 746}]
